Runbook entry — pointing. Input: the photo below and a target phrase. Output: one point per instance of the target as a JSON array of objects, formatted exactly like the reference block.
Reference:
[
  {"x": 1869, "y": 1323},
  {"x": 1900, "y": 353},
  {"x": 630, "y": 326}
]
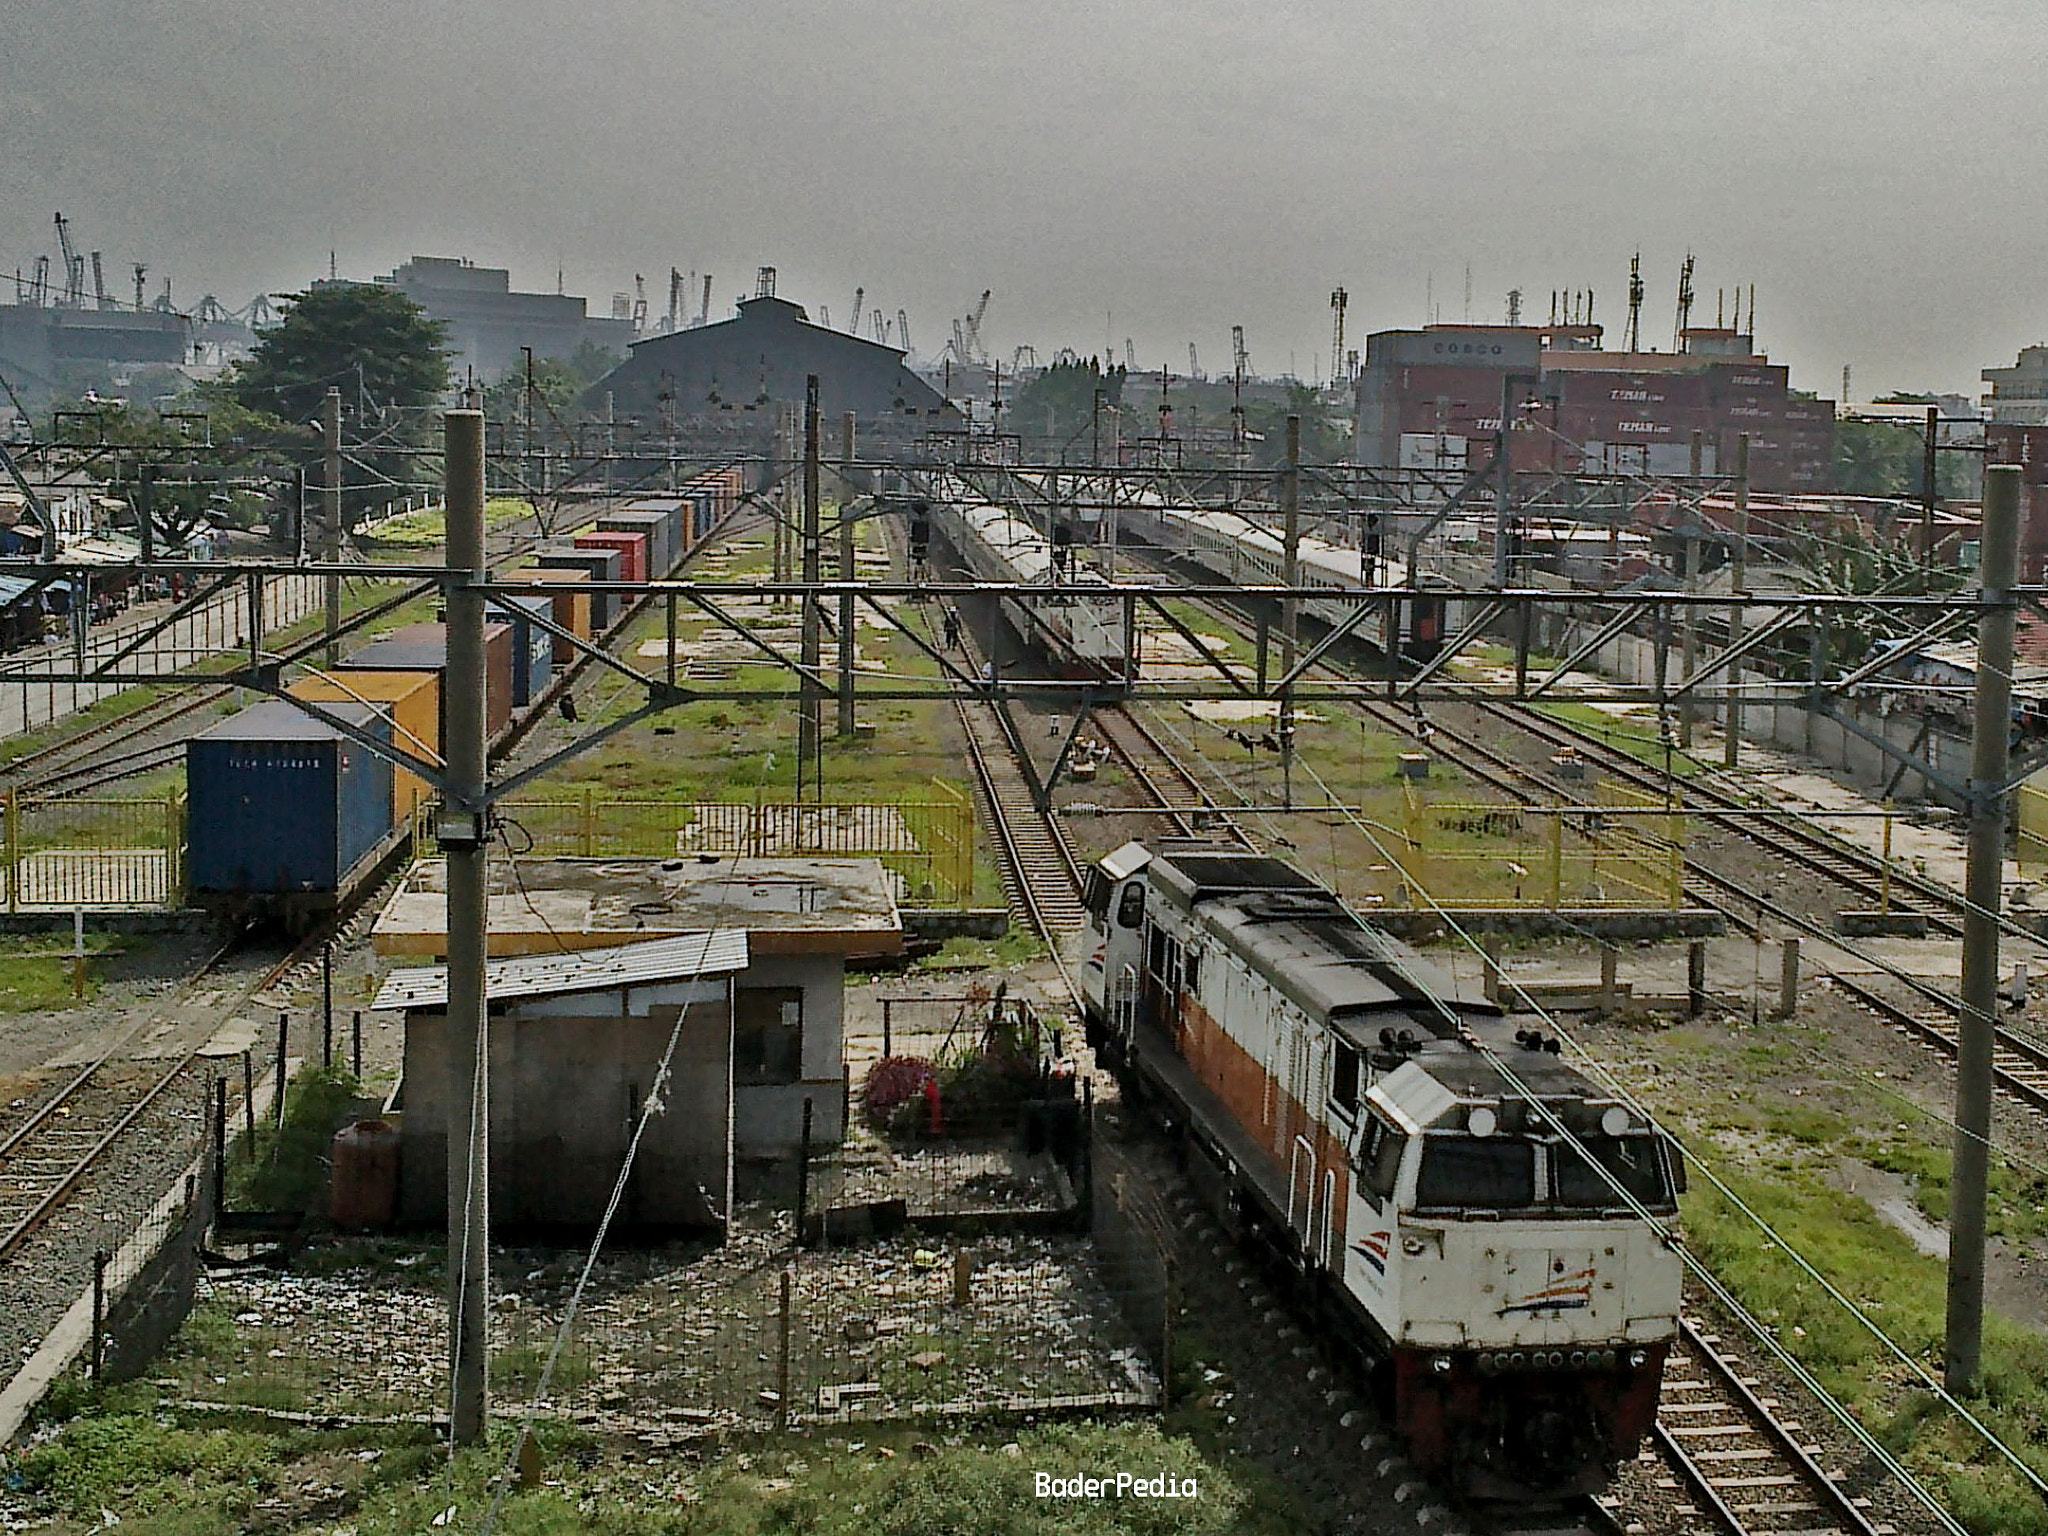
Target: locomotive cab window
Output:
[
  {"x": 1130, "y": 907},
  {"x": 1476, "y": 1173},
  {"x": 1379, "y": 1160},
  {"x": 1344, "y": 1079},
  {"x": 1632, "y": 1162}
]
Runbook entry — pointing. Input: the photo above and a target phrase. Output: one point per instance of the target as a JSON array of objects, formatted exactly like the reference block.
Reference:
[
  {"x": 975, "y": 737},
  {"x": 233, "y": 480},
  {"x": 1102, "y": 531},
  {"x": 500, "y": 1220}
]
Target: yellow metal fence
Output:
[
  {"x": 63, "y": 853},
  {"x": 928, "y": 843},
  {"x": 1625, "y": 850},
  {"x": 2030, "y": 817}
]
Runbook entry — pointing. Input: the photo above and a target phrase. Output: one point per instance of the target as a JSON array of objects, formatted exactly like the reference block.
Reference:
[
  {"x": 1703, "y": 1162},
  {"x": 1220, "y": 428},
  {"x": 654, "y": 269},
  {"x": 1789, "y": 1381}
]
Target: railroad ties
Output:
[
  {"x": 1742, "y": 1469},
  {"x": 1040, "y": 879}
]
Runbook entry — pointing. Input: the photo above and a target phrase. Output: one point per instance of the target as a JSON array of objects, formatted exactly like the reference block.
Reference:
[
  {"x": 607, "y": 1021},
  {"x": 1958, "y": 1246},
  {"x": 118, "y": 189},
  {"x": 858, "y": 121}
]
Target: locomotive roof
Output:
[{"x": 1309, "y": 945}]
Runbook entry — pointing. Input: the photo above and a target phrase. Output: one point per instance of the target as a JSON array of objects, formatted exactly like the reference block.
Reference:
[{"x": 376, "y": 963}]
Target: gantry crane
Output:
[
  {"x": 1339, "y": 301},
  {"x": 860, "y": 298},
  {"x": 903, "y": 329},
  {"x": 74, "y": 266}
]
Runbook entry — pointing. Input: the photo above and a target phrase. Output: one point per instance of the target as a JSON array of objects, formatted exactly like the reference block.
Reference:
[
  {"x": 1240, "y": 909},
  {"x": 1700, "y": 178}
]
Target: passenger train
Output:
[
  {"x": 1238, "y": 550},
  {"x": 1087, "y": 631},
  {"x": 1343, "y": 1102}
]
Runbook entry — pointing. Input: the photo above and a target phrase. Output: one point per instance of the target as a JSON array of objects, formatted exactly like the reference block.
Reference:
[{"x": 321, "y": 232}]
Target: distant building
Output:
[
  {"x": 37, "y": 340},
  {"x": 488, "y": 323},
  {"x": 2026, "y": 445},
  {"x": 1431, "y": 399},
  {"x": 2019, "y": 394},
  {"x": 742, "y": 369}
]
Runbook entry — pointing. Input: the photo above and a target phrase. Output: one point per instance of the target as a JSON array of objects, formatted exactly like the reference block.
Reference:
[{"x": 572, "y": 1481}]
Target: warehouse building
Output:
[
  {"x": 487, "y": 323},
  {"x": 1431, "y": 398},
  {"x": 743, "y": 369}
]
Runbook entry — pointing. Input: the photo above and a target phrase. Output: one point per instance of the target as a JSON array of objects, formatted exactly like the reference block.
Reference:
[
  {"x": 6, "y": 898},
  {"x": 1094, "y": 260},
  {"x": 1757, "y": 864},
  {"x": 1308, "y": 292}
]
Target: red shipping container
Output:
[{"x": 632, "y": 549}]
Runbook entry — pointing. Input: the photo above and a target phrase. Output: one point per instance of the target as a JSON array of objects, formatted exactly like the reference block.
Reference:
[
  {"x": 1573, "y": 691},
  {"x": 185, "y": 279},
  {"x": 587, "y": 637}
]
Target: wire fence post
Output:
[
  {"x": 326, "y": 1005},
  {"x": 1166, "y": 1332},
  {"x": 99, "y": 1314},
  {"x": 355, "y": 1032},
  {"x": 782, "y": 1352},
  {"x": 284, "y": 1026},
  {"x": 803, "y": 1175},
  {"x": 249, "y": 1095},
  {"x": 220, "y": 1143},
  {"x": 888, "y": 1027}
]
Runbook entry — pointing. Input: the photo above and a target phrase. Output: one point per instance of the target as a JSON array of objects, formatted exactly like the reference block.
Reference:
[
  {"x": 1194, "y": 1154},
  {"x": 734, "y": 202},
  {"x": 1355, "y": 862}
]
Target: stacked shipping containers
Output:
[
  {"x": 596, "y": 565},
  {"x": 424, "y": 648},
  {"x": 632, "y": 548}
]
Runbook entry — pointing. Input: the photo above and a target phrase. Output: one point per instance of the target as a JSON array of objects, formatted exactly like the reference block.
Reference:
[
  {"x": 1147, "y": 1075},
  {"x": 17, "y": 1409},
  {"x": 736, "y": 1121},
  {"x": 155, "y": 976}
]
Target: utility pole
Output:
[
  {"x": 846, "y": 631},
  {"x": 1990, "y": 737},
  {"x": 1290, "y": 575},
  {"x": 810, "y": 718},
  {"x": 462, "y": 829},
  {"x": 1503, "y": 487},
  {"x": 330, "y": 535},
  {"x": 1688, "y": 631},
  {"x": 1930, "y": 452},
  {"x": 1731, "y": 718}
]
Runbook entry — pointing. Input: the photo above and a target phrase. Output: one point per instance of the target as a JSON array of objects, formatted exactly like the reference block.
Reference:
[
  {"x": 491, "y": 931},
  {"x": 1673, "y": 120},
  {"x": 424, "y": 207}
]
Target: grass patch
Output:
[
  {"x": 164, "y": 1475},
  {"x": 1016, "y": 947},
  {"x": 36, "y": 973}
]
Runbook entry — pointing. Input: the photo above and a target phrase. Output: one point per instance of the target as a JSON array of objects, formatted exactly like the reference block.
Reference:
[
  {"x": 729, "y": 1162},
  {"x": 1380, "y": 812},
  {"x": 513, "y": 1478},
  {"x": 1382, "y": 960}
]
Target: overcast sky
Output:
[{"x": 1142, "y": 169}]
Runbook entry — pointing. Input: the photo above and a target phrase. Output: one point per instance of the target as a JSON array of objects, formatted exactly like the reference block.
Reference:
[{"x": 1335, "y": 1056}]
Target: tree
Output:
[
  {"x": 1060, "y": 402},
  {"x": 371, "y": 342},
  {"x": 1322, "y": 440}
]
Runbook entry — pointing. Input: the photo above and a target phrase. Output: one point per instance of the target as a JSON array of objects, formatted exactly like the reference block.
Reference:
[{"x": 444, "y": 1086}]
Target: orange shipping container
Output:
[
  {"x": 415, "y": 700},
  {"x": 571, "y": 609}
]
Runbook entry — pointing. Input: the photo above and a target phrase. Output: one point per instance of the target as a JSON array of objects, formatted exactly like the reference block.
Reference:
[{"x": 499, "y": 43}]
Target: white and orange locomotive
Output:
[{"x": 1342, "y": 1101}]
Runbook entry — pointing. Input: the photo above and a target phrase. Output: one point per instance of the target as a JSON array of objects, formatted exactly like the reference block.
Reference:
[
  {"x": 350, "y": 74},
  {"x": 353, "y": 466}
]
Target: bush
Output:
[
  {"x": 894, "y": 1082},
  {"x": 290, "y": 1169}
]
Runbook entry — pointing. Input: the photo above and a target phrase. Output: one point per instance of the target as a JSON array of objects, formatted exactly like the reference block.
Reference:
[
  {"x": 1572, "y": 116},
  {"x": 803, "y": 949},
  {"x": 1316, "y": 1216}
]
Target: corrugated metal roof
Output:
[{"x": 683, "y": 957}]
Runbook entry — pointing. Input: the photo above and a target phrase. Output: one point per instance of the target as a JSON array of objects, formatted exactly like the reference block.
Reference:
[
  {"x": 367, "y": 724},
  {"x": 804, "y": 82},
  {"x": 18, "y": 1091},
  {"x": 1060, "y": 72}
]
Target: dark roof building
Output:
[{"x": 741, "y": 369}]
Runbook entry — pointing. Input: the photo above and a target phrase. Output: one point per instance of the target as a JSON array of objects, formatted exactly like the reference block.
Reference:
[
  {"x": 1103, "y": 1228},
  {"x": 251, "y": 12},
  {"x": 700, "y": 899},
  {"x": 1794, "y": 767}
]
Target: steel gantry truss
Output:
[{"x": 468, "y": 792}]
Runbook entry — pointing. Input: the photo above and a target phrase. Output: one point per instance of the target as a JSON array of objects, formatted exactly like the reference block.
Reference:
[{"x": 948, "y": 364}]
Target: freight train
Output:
[
  {"x": 288, "y": 816},
  {"x": 1403, "y": 1146},
  {"x": 1084, "y": 631},
  {"x": 1237, "y": 550}
]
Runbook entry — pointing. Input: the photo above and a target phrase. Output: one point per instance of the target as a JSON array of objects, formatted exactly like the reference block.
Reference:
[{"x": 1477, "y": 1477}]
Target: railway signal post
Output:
[{"x": 1989, "y": 739}]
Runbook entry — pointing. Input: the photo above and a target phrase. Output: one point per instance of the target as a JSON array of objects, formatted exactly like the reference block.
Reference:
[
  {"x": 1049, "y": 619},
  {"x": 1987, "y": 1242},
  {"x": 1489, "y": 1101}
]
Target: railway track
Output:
[
  {"x": 45, "y": 1158},
  {"x": 1041, "y": 880},
  {"x": 1852, "y": 868},
  {"x": 1150, "y": 765},
  {"x": 1742, "y": 1468}
]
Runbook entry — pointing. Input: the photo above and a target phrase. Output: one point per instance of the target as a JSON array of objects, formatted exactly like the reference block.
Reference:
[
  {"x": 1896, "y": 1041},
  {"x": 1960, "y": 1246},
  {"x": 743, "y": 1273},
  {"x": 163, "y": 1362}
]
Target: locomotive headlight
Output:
[
  {"x": 1441, "y": 1364},
  {"x": 1413, "y": 1247},
  {"x": 1637, "y": 1359}
]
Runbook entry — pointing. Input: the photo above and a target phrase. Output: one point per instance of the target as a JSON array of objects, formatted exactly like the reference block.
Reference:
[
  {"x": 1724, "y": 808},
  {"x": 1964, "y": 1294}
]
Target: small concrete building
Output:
[
  {"x": 577, "y": 1042},
  {"x": 804, "y": 918}
]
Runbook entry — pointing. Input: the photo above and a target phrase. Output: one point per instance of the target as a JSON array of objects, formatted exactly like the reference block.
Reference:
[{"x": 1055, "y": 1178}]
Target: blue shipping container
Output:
[
  {"x": 279, "y": 803},
  {"x": 533, "y": 647}
]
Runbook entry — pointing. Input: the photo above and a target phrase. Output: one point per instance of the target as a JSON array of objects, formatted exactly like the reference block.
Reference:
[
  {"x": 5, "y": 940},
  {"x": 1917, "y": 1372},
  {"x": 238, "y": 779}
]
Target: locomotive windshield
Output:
[
  {"x": 1491, "y": 1173},
  {"x": 1630, "y": 1161}
]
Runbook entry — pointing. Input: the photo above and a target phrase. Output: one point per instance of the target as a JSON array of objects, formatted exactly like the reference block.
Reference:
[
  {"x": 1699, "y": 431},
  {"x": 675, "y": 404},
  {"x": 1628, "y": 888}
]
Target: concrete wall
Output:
[
  {"x": 768, "y": 1120},
  {"x": 567, "y": 1077},
  {"x": 1632, "y": 659}
]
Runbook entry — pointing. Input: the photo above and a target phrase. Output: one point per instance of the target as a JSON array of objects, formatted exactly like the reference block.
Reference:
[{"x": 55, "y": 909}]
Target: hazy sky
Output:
[{"x": 1142, "y": 169}]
